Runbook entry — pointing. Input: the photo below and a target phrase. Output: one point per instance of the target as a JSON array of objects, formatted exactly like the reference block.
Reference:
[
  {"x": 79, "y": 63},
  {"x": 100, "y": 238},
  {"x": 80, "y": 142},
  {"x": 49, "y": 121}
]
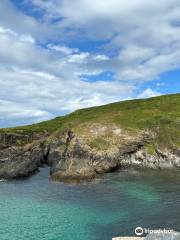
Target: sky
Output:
[{"x": 57, "y": 56}]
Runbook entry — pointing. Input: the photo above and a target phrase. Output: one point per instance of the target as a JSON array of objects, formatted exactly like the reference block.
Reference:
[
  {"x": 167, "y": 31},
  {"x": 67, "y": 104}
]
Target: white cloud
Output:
[
  {"x": 11, "y": 18},
  {"x": 15, "y": 110},
  {"x": 101, "y": 57},
  {"x": 14, "y": 113},
  {"x": 63, "y": 49},
  {"x": 144, "y": 33},
  {"x": 21, "y": 37},
  {"x": 78, "y": 58},
  {"x": 147, "y": 93},
  {"x": 38, "y": 92},
  {"x": 46, "y": 83}
]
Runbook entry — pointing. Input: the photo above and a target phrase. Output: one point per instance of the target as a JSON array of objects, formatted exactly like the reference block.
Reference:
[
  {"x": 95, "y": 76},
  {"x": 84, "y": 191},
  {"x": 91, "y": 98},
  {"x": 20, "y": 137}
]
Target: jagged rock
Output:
[
  {"x": 72, "y": 163},
  {"x": 70, "y": 157},
  {"x": 16, "y": 162}
]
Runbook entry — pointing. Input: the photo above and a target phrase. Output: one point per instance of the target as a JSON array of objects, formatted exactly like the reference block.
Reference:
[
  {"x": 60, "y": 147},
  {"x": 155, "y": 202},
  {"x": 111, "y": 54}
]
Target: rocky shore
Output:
[{"x": 71, "y": 157}]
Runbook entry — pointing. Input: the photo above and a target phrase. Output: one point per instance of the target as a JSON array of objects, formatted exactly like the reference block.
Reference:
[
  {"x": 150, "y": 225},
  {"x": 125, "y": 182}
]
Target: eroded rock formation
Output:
[{"x": 72, "y": 157}]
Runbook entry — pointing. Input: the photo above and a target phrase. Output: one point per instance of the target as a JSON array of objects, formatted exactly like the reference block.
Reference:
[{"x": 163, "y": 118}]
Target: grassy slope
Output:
[{"x": 161, "y": 114}]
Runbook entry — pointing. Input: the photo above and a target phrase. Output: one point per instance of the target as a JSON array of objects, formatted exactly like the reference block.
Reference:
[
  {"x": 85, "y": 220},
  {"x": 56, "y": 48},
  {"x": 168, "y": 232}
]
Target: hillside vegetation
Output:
[{"x": 160, "y": 115}]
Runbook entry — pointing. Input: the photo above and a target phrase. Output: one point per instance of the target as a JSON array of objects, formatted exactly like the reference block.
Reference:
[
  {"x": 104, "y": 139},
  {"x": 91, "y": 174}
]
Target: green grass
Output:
[
  {"x": 99, "y": 143},
  {"x": 150, "y": 149},
  {"x": 160, "y": 114}
]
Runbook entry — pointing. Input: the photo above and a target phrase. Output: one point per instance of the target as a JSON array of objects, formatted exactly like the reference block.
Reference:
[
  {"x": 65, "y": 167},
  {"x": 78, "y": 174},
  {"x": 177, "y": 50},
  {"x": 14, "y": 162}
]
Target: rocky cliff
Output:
[
  {"x": 77, "y": 150},
  {"x": 71, "y": 157}
]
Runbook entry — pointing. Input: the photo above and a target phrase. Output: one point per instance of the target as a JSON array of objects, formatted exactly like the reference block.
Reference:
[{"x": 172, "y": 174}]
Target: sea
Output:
[{"x": 113, "y": 205}]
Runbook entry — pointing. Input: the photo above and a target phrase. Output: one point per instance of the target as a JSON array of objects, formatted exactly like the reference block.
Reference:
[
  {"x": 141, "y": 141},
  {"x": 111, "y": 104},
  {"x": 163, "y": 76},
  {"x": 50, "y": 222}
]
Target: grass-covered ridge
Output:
[{"x": 160, "y": 114}]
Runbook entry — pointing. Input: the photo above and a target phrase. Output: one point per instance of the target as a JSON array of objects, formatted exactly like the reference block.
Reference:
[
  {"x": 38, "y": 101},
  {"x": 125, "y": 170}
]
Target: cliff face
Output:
[
  {"x": 20, "y": 155},
  {"x": 73, "y": 157},
  {"x": 80, "y": 161}
]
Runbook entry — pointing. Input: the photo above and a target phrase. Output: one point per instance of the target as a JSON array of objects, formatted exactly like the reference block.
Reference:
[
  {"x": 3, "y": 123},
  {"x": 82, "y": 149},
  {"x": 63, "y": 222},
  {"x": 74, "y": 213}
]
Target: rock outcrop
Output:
[
  {"x": 70, "y": 157},
  {"x": 16, "y": 162}
]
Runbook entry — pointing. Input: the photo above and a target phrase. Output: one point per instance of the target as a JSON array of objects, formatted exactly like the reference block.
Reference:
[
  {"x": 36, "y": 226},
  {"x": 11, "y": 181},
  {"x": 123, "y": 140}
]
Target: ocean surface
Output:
[{"x": 38, "y": 209}]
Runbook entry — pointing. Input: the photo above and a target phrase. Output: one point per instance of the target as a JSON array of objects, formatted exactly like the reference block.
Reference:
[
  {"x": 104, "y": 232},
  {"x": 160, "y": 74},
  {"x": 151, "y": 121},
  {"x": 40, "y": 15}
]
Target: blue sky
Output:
[{"x": 60, "y": 55}]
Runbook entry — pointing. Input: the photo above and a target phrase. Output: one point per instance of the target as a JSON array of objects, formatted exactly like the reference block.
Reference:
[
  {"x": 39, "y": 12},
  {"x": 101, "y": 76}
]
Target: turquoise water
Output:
[{"x": 36, "y": 208}]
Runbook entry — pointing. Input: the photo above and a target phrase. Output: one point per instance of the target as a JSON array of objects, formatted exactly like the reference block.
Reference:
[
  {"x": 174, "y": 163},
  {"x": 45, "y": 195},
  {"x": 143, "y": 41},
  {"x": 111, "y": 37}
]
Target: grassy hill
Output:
[{"x": 159, "y": 114}]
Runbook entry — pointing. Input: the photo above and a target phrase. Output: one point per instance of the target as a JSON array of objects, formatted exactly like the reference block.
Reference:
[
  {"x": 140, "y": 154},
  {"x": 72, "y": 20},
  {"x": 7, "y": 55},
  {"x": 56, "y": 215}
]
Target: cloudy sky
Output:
[{"x": 60, "y": 55}]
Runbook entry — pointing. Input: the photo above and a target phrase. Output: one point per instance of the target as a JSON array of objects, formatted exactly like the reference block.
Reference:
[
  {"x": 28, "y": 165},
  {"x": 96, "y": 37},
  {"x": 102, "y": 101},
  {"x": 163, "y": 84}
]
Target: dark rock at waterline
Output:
[{"x": 17, "y": 162}]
